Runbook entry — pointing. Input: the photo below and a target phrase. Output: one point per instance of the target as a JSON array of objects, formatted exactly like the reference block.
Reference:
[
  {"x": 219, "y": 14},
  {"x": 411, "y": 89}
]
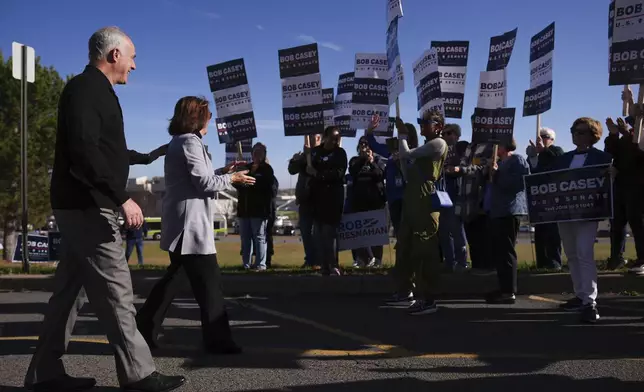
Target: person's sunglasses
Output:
[
  {"x": 422, "y": 121},
  {"x": 448, "y": 133},
  {"x": 545, "y": 136}
]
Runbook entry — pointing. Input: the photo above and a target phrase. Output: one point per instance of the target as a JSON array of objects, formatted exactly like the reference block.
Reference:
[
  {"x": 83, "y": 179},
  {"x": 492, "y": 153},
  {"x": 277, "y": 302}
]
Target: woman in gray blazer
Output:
[{"x": 187, "y": 233}]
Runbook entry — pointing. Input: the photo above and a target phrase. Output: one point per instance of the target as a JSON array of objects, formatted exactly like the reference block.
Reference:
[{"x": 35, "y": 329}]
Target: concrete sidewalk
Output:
[{"x": 257, "y": 284}]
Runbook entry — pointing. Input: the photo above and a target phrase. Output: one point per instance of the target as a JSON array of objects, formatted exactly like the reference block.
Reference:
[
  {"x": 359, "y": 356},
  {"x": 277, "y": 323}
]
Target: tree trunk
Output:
[{"x": 9, "y": 240}]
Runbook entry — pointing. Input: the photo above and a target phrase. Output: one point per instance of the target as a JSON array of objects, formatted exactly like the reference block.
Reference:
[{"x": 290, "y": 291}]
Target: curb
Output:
[{"x": 291, "y": 285}]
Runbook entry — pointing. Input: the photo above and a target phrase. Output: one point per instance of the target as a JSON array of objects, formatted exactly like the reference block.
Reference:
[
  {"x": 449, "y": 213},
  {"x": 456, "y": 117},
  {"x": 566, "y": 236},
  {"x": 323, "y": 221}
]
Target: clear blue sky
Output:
[{"x": 175, "y": 41}]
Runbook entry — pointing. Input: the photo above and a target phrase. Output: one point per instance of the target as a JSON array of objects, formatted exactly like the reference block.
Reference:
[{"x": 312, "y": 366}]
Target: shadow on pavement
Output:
[{"x": 537, "y": 383}]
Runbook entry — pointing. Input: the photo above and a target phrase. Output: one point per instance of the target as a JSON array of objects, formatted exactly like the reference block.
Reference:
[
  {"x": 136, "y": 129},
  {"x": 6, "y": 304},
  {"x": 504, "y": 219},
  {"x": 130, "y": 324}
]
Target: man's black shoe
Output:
[
  {"x": 65, "y": 383},
  {"x": 156, "y": 382},
  {"x": 498, "y": 298}
]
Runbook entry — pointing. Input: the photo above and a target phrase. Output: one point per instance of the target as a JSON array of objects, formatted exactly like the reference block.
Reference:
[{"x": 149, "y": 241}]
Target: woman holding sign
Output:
[
  {"x": 418, "y": 244},
  {"x": 579, "y": 237}
]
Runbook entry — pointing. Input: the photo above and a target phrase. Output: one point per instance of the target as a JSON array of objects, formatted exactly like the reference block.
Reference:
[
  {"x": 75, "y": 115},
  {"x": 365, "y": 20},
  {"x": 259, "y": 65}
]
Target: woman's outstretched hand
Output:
[{"x": 242, "y": 179}]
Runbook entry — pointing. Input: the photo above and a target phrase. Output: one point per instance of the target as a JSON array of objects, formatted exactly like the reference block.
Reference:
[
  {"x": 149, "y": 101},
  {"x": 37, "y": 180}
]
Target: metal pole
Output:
[{"x": 23, "y": 159}]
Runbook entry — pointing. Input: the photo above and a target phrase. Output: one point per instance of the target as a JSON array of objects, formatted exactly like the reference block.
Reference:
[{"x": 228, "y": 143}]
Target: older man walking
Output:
[{"x": 88, "y": 183}]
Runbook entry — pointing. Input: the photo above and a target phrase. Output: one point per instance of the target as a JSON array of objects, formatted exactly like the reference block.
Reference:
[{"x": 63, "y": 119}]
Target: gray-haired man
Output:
[
  {"x": 547, "y": 242},
  {"x": 90, "y": 173}
]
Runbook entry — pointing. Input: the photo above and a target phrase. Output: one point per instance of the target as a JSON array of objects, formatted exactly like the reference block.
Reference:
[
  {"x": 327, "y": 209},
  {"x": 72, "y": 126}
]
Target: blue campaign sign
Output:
[
  {"x": 54, "y": 246},
  {"x": 38, "y": 246},
  {"x": 570, "y": 195},
  {"x": 393, "y": 52}
]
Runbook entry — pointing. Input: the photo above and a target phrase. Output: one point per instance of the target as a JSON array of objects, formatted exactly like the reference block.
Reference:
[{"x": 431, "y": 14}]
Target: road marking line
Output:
[
  {"x": 77, "y": 340},
  {"x": 544, "y": 299},
  {"x": 349, "y": 335}
]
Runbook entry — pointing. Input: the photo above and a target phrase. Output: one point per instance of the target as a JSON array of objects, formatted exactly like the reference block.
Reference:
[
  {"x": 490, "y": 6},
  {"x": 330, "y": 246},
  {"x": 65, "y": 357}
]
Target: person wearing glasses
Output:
[
  {"x": 452, "y": 230},
  {"x": 418, "y": 245},
  {"x": 579, "y": 237},
  {"x": 542, "y": 155}
]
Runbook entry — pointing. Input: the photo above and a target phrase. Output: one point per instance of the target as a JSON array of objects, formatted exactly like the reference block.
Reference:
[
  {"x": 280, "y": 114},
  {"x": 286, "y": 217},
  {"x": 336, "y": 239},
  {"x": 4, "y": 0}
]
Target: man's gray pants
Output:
[{"x": 92, "y": 257}]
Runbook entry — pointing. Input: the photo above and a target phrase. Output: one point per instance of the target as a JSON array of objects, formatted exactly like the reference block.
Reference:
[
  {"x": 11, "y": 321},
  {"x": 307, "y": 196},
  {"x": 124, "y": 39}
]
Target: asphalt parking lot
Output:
[{"x": 354, "y": 343}]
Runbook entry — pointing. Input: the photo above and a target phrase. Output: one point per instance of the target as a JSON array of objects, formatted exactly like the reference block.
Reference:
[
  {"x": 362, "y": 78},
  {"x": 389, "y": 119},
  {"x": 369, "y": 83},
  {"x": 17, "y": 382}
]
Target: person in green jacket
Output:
[{"x": 418, "y": 247}]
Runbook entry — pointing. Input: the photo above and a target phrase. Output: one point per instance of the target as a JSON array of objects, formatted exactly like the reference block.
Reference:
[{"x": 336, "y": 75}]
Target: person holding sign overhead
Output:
[
  {"x": 506, "y": 202},
  {"x": 418, "y": 244},
  {"x": 579, "y": 237},
  {"x": 327, "y": 169}
]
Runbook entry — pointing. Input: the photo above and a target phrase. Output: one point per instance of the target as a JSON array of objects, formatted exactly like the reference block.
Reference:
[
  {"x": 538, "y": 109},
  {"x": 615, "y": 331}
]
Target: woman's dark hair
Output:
[
  {"x": 412, "y": 135},
  {"x": 461, "y": 147},
  {"x": 261, "y": 146},
  {"x": 191, "y": 114}
]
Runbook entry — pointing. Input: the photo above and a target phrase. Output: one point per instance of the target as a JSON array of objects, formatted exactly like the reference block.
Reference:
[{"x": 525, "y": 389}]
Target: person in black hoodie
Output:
[
  {"x": 368, "y": 192},
  {"x": 328, "y": 166},
  {"x": 254, "y": 208}
]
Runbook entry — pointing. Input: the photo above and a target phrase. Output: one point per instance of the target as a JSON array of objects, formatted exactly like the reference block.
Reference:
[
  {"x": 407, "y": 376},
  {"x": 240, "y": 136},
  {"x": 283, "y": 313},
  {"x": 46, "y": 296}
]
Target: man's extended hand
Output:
[
  {"x": 132, "y": 214},
  {"x": 232, "y": 166},
  {"x": 159, "y": 152}
]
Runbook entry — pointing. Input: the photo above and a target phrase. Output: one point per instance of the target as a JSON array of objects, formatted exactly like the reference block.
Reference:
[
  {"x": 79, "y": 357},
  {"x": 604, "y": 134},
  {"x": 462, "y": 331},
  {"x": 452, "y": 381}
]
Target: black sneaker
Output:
[
  {"x": 405, "y": 300},
  {"x": 615, "y": 263},
  {"x": 589, "y": 314},
  {"x": 422, "y": 307},
  {"x": 499, "y": 298},
  {"x": 64, "y": 383},
  {"x": 572, "y": 305},
  {"x": 155, "y": 382}
]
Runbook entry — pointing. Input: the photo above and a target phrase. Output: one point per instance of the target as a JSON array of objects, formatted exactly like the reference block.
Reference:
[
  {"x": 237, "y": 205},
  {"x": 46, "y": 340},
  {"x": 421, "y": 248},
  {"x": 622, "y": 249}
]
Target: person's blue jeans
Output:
[
  {"x": 129, "y": 247},
  {"x": 452, "y": 237},
  {"x": 253, "y": 236},
  {"x": 306, "y": 231}
]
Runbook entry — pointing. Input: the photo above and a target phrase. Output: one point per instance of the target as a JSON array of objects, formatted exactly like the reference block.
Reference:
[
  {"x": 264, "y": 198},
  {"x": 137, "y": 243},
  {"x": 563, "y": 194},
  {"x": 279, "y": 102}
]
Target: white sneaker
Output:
[
  {"x": 357, "y": 264},
  {"x": 371, "y": 263},
  {"x": 637, "y": 268}
]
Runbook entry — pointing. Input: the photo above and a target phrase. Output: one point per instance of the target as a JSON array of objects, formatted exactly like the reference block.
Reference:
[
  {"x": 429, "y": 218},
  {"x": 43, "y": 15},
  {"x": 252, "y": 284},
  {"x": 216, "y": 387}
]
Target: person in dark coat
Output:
[
  {"x": 368, "y": 192},
  {"x": 254, "y": 208},
  {"x": 547, "y": 242},
  {"x": 328, "y": 167},
  {"x": 303, "y": 199}
]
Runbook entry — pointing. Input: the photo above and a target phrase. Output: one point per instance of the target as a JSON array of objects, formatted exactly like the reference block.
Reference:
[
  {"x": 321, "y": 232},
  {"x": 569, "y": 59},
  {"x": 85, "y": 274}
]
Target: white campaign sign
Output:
[
  {"x": 541, "y": 70},
  {"x": 343, "y": 103},
  {"x": 394, "y": 10},
  {"x": 426, "y": 64},
  {"x": 302, "y": 90},
  {"x": 628, "y": 21},
  {"x": 452, "y": 79},
  {"x": 396, "y": 84},
  {"x": 371, "y": 65},
  {"x": 363, "y": 229},
  {"x": 234, "y": 100},
  {"x": 492, "y": 90}
]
